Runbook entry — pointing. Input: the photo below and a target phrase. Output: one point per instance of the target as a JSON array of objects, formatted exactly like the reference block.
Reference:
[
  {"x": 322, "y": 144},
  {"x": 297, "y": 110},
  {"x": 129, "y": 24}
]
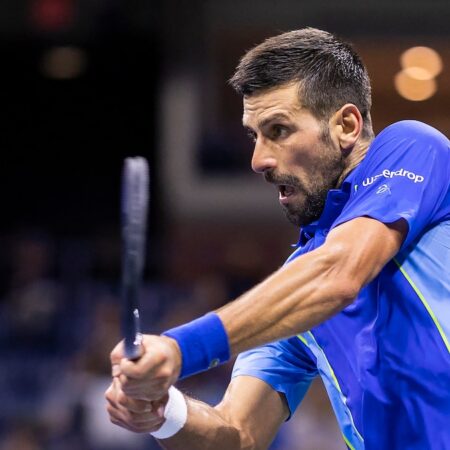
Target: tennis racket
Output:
[{"x": 135, "y": 196}]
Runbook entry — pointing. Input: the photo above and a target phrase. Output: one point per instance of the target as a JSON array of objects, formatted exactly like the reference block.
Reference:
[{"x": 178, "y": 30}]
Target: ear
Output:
[{"x": 347, "y": 124}]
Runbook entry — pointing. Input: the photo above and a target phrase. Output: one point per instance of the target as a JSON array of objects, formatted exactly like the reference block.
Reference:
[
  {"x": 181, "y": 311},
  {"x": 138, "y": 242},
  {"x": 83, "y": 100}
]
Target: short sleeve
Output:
[
  {"x": 405, "y": 174},
  {"x": 285, "y": 365}
]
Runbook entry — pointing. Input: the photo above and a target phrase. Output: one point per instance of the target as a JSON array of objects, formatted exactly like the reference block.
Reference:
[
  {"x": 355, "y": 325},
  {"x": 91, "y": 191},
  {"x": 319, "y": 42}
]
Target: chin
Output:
[{"x": 302, "y": 215}]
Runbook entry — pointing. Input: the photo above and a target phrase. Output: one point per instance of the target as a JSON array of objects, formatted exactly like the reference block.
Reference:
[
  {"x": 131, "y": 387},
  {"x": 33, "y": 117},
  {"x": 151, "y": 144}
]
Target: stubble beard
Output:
[{"x": 310, "y": 204}]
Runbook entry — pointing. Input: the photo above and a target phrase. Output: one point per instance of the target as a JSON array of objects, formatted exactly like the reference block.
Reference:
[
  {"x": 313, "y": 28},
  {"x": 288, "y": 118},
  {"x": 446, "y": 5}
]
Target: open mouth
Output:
[{"x": 285, "y": 190}]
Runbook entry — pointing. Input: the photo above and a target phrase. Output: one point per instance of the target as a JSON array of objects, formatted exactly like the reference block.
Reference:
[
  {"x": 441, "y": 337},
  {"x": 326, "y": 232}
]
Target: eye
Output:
[
  {"x": 251, "y": 134},
  {"x": 279, "y": 131}
]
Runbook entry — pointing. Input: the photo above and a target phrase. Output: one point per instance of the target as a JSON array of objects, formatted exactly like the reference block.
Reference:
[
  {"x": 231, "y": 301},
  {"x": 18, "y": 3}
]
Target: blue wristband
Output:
[{"x": 203, "y": 344}]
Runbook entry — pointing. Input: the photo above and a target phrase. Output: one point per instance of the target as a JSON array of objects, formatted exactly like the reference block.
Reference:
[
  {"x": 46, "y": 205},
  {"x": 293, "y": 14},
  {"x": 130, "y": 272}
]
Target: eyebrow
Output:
[{"x": 266, "y": 121}]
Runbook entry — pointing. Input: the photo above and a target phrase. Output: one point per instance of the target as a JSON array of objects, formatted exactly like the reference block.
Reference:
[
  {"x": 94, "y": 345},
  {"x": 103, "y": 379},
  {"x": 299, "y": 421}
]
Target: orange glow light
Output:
[
  {"x": 423, "y": 57},
  {"x": 414, "y": 89}
]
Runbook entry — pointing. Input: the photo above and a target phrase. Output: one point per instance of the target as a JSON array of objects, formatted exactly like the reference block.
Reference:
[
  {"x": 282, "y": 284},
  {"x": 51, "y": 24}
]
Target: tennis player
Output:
[{"x": 364, "y": 300}]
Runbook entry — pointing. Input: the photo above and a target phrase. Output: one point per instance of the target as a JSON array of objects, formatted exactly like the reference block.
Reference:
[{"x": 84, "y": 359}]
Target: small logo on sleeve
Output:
[
  {"x": 394, "y": 173},
  {"x": 383, "y": 189}
]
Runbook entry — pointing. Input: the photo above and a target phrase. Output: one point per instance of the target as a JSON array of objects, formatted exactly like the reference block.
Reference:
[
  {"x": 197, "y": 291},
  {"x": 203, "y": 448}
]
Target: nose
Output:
[{"x": 263, "y": 157}]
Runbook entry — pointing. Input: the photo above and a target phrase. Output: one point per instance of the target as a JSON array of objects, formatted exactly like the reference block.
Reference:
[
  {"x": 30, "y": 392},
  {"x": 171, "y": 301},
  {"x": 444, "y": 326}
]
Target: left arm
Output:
[
  {"x": 295, "y": 298},
  {"x": 313, "y": 287}
]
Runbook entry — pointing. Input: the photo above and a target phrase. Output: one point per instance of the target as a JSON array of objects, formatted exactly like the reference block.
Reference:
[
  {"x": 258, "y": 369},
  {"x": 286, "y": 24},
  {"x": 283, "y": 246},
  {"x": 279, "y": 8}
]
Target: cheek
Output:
[{"x": 305, "y": 157}]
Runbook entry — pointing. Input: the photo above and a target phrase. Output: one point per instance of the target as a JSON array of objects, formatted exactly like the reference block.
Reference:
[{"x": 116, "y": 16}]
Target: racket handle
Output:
[{"x": 131, "y": 325}]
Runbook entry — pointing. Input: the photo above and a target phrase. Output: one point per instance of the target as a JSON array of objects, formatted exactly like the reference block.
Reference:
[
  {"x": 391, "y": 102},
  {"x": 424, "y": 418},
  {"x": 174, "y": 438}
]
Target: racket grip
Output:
[
  {"x": 133, "y": 351},
  {"x": 131, "y": 324}
]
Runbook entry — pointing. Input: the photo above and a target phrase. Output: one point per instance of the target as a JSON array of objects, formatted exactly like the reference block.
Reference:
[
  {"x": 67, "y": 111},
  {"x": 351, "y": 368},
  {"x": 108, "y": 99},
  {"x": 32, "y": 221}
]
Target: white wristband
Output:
[{"x": 175, "y": 414}]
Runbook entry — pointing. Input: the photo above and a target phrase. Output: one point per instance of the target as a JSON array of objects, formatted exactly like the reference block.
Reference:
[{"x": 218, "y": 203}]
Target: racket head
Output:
[{"x": 134, "y": 202}]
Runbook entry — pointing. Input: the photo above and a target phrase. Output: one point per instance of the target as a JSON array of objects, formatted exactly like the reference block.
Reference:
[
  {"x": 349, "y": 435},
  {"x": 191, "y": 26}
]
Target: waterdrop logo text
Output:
[{"x": 394, "y": 173}]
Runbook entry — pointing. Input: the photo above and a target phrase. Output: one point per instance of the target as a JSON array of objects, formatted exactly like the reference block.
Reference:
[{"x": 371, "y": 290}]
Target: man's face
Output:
[{"x": 293, "y": 150}]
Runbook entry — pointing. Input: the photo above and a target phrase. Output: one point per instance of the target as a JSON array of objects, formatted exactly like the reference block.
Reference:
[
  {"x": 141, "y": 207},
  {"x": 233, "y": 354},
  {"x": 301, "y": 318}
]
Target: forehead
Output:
[{"x": 281, "y": 101}]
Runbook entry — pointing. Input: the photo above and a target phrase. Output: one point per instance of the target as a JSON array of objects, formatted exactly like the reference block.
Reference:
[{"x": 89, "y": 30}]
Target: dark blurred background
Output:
[{"x": 85, "y": 83}]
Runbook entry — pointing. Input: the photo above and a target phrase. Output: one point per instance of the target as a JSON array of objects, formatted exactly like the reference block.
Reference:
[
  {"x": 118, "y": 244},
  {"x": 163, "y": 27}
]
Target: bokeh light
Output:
[
  {"x": 425, "y": 58},
  {"x": 414, "y": 89},
  {"x": 416, "y": 81},
  {"x": 63, "y": 63}
]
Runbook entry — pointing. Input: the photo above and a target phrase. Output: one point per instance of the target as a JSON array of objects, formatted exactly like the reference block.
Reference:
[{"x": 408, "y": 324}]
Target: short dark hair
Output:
[{"x": 329, "y": 71}]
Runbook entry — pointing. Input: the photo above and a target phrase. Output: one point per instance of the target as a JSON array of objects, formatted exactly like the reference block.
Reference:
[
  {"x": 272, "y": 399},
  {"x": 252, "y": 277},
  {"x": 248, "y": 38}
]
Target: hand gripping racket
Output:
[{"x": 135, "y": 195}]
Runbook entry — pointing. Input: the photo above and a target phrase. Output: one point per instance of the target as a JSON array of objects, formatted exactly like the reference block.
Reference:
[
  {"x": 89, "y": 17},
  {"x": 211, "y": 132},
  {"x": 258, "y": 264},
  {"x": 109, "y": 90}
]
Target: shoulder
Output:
[
  {"x": 407, "y": 142},
  {"x": 412, "y": 131}
]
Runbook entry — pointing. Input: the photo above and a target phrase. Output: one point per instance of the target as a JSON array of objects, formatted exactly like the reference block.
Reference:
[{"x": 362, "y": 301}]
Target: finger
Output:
[
  {"x": 133, "y": 405},
  {"x": 116, "y": 416},
  {"x": 146, "y": 392},
  {"x": 144, "y": 367},
  {"x": 145, "y": 389},
  {"x": 123, "y": 380},
  {"x": 116, "y": 356},
  {"x": 133, "y": 421},
  {"x": 144, "y": 376},
  {"x": 149, "y": 418},
  {"x": 116, "y": 397},
  {"x": 114, "y": 413},
  {"x": 120, "y": 408},
  {"x": 112, "y": 392},
  {"x": 110, "y": 395}
]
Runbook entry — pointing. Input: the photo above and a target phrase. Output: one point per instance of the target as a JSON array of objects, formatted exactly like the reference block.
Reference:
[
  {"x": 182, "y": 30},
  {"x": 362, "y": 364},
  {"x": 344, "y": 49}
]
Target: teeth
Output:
[{"x": 285, "y": 190}]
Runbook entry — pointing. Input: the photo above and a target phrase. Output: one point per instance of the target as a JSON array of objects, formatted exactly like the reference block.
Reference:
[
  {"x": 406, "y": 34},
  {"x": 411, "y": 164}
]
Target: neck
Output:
[{"x": 354, "y": 158}]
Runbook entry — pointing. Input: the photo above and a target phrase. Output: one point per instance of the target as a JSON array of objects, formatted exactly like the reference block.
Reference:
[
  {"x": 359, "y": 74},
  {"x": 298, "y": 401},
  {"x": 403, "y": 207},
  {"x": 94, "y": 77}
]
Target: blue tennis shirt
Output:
[{"x": 385, "y": 359}]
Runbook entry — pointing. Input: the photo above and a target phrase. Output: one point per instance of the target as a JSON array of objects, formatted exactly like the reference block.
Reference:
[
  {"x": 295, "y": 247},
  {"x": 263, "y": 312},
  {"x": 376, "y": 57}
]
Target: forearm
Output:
[
  {"x": 248, "y": 417},
  {"x": 206, "y": 428},
  {"x": 313, "y": 287},
  {"x": 297, "y": 297}
]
